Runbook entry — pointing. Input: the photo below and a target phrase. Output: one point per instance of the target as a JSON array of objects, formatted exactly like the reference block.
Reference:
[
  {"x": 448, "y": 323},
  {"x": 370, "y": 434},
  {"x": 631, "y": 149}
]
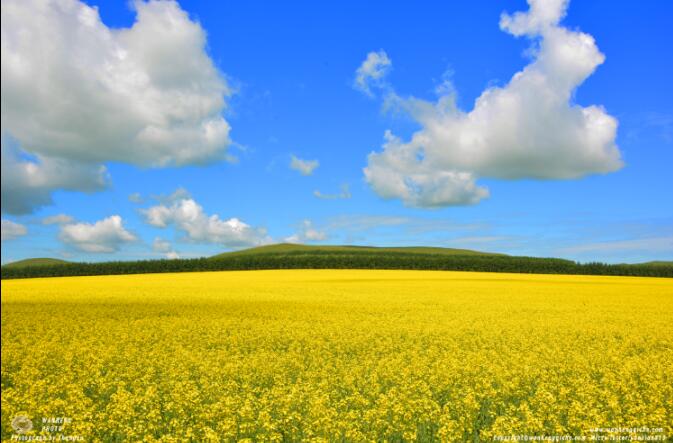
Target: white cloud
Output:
[
  {"x": 410, "y": 227},
  {"x": 177, "y": 195},
  {"x": 305, "y": 167},
  {"x": 77, "y": 94},
  {"x": 106, "y": 235},
  {"x": 361, "y": 222},
  {"x": 12, "y": 230},
  {"x": 372, "y": 72},
  {"x": 27, "y": 183},
  {"x": 136, "y": 197},
  {"x": 478, "y": 239},
  {"x": 188, "y": 216},
  {"x": 530, "y": 128},
  {"x": 542, "y": 16},
  {"x": 164, "y": 246},
  {"x": 59, "y": 219},
  {"x": 306, "y": 233},
  {"x": 172, "y": 255},
  {"x": 161, "y": 245},
  {"x": 344, "y": 194},
  {"x": 655, "y": 244}
]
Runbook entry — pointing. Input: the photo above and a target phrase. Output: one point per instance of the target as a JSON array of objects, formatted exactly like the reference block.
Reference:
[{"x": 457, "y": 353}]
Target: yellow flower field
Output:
[{"x": 336, "y": 356}]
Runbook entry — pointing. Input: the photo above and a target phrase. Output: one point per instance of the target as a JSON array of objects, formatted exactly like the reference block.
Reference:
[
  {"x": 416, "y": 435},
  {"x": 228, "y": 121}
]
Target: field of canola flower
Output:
[{"x": 336, "y": 355}]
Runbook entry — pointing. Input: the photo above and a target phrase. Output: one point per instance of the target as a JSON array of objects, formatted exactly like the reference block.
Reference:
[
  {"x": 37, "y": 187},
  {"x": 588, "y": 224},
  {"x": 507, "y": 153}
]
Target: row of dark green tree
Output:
[{"x": 342, "y": 260}]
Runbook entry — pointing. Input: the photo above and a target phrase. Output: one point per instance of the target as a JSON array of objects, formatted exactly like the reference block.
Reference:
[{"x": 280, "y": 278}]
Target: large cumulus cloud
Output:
[
  {"x": 529, "y": 128},
  {"x": 77, "y": 94}
]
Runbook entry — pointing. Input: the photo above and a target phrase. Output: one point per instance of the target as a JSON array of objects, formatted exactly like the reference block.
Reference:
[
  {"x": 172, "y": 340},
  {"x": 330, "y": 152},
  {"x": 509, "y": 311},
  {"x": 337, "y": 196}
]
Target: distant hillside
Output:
[
  {"x": 30, "y": 262},
  {"x": 658, "y": 263},
  {"x": 292, "y": 248},
  {"x": 292, "y": 256}
]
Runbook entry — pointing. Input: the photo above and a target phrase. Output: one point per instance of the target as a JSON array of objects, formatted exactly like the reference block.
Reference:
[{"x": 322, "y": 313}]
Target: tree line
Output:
[{"x": 342, "y": 260}]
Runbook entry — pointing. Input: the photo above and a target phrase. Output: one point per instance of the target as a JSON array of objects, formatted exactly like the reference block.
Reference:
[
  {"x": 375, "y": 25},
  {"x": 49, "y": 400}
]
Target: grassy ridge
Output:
[
  {"x": 659, "y": 263},
  {"x": 36, "y": 262},
  {"x": 296, "y": 248},
  {"x": 348, "y": 259}
]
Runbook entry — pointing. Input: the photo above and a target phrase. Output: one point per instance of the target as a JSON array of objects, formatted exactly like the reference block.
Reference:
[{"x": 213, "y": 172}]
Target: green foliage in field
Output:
[{"x": 346, "y": 259}]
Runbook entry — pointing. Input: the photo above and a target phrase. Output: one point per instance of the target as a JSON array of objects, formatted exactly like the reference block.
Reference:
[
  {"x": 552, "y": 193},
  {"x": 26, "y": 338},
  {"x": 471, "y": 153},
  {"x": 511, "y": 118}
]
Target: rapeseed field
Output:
[{"x": 328, "y": 355}]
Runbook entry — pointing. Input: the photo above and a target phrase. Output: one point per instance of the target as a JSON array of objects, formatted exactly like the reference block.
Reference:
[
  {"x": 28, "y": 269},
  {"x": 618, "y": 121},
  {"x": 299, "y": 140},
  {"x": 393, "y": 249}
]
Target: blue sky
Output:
[{"x": 289, "y": 72}]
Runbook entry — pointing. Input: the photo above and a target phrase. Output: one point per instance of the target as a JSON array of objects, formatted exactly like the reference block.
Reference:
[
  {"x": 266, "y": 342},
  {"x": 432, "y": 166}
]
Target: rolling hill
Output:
[
  {"x": 293, "y": 248},
  {"x": 659, "y": 263},
  {"x": 30, "y": 262},
  {"x": 296, "y": 256}
]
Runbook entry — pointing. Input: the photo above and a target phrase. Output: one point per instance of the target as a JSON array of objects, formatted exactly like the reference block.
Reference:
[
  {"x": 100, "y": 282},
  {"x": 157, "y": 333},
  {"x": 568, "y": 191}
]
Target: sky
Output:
[{"x": 140, "y": 130}]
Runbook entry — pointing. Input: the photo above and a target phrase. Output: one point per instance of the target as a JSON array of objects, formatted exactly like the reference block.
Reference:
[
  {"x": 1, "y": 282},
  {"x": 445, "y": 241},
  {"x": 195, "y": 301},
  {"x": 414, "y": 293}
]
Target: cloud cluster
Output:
[
  {"x": 344, "y": 194},
  {"x": 372, "y": 72},
  {"x": 77, "y": 94},
  {"x": 411, "y": 226},
  {"x": 648, "y": 245},
  {"x": 136, "y": 197},
  {"x": 105, "y": 236},
  {"x": 306, "y": 233},
  {"x": 59, "y": 219},
  {"x": 12, "y": 230},
  {"x": 161, "y": 245},
  {"x": 164, "y": 246},
  {"x": 530, "y": 128},
  {"x": 188, "y": 216},
  {"x": 305, "y": 167}
]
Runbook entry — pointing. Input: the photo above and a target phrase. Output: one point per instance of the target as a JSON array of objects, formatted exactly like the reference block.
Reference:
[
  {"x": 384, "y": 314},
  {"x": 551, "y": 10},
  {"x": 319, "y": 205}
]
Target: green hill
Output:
[
  {"x": 30, "y": 262},
  {"x": 292, "y": 248},
  {"x": 658, "y": 263},
  {"x": 293, "y": 256}
]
